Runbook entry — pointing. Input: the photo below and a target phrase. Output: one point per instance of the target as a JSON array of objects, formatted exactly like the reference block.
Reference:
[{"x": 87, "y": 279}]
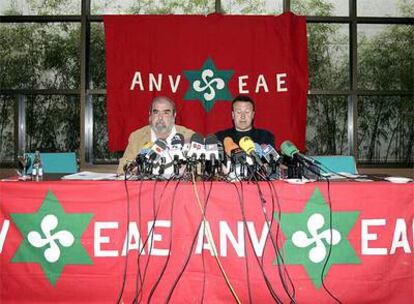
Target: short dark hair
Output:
[{"x": 243, "y": 98}]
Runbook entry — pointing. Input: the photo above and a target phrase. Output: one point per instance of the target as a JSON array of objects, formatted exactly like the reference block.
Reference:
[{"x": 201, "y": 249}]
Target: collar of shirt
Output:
[{"x": 168, "y": 139}]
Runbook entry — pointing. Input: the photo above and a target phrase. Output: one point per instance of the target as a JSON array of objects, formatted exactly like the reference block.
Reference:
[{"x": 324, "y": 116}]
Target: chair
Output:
[
  {"x": 64, "y": 162},
  {"x": 337, "y": 163}
]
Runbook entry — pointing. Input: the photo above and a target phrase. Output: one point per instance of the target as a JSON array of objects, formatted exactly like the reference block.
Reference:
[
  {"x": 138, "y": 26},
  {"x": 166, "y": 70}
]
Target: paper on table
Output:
[{"x": 87, "y": 175}]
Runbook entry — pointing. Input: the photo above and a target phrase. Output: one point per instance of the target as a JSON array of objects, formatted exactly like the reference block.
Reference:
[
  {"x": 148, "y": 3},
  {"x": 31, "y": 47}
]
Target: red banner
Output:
[
  {"x": 202, "y": 63},
  {"x": 66, "y": 242}
]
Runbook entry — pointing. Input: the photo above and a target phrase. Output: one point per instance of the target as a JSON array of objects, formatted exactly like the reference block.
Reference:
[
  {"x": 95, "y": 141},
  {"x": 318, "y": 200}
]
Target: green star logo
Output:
[
  {"x": 308, "y": 237},
  {"x": 208, "y": 84},
  {"x": 51, "y": 237}
]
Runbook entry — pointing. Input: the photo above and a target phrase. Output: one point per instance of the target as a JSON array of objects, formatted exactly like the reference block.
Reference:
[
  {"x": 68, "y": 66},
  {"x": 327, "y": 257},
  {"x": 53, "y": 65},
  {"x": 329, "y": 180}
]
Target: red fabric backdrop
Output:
[{"x": 249, "y": 54}]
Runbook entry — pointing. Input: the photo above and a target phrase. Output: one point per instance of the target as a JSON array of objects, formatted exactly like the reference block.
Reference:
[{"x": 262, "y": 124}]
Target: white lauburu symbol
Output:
[
  {"x": 64, "y": 237},
  {"x": 318, "y": 253},
  {"x": 209, "y": 81}
]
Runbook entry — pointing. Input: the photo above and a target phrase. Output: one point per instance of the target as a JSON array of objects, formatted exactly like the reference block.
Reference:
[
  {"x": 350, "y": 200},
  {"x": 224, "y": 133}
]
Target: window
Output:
[{"x": 361, "y": 72}]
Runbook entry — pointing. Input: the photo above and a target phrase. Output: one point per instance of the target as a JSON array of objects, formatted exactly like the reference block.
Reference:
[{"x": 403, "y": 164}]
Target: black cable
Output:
[
  {"x": 279, "y": 255},
  {"x": 154, "y": 287},
  {"x": 155, "y": 215},
  {"x": 329, "y": 247},
  {"x": 204, "y": 233},
  {"x": 275, "y": 245},
  {"x": 138, "y": 278},
  {"x": 241, "y": 201},
  {"x": 187, "y": 259},
  {"x": 266, "y": 279},
  {"x": 127, "y": 245}
]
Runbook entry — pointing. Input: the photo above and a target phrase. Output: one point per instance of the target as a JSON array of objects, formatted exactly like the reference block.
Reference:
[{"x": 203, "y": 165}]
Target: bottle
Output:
[{"x": 37, "y": 167}]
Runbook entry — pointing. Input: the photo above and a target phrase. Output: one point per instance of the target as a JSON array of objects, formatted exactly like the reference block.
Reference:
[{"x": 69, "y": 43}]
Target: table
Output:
[{"x": 66, "y": 241}]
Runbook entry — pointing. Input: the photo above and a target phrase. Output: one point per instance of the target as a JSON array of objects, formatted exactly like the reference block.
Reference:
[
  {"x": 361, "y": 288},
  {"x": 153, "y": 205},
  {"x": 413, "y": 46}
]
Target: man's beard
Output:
[{"x": 161, "y": 128}]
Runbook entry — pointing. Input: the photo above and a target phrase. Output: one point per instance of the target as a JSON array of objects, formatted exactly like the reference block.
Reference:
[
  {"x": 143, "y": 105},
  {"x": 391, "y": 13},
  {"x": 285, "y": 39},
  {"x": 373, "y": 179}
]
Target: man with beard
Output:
[{"x": 161, "y": 126}]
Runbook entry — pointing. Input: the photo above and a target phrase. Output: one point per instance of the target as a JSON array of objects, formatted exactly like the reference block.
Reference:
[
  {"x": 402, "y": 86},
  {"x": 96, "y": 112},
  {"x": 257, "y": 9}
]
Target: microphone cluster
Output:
[{"x": 207, "y": 158}]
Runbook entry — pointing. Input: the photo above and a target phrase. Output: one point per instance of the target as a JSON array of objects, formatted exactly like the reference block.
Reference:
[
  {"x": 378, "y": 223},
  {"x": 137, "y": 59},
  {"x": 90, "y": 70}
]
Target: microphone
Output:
[
  {"x": 176, "y": 152},
  {"x": 212, "y": 153},
  {"x": 197, "y": 148},
  {"x": 271, "y": 157},
  {"x": 177, "y": 143},
  {"x": 237, "y": 155},
  {"x": 157, "y": 150},
  {"x": 247, "y": 144},
  {"x": 270, "y": 154},
  {"x": 290, "y": 150},
  {"x": 258, "y": 149},
  {"x": 230, "y": 147},
  {"x": 139, "y": 159}
]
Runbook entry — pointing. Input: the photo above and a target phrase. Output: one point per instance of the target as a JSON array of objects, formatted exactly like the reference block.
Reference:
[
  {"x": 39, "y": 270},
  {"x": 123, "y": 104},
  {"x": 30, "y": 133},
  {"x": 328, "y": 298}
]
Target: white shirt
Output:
[{"x": 168, "y": 139}]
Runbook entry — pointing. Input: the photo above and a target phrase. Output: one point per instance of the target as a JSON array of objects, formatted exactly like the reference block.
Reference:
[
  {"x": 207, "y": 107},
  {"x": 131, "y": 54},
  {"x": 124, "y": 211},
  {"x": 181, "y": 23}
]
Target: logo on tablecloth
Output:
[
  {"x": 317, "y": 240},
  {"x": 208, "y": 84},
  {"x": 52, "y": 237}
]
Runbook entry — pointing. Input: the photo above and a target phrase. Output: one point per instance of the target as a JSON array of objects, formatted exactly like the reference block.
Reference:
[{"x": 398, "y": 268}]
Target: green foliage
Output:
[
  {"x": 386, "y": 124},
  {"x": 312, "y": 8},
  {"x": 52, "y": 123},
  {"x": 327, "y": 125},
  {"x": 6, "y": 128},
  {"x": 244, "y": 7}
]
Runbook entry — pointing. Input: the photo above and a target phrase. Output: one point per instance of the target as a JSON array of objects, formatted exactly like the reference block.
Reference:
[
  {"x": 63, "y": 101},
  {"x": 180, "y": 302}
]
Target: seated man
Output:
[
  {"x": 161, "y": 125},
  {"x": 243, "y": 108}
]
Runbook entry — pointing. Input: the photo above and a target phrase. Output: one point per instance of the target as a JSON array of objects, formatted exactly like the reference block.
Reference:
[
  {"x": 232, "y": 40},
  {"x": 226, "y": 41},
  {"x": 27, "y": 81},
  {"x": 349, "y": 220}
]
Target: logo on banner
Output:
[
  {"x": 51, "y": 237},
  {"x": 313, "y": 241},
  {"x": 208, "y": 84}
]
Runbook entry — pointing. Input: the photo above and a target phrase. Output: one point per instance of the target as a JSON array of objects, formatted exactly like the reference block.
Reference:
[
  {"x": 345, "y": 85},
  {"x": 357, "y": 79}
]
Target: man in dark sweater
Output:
[{"x": 243, "y": 110}]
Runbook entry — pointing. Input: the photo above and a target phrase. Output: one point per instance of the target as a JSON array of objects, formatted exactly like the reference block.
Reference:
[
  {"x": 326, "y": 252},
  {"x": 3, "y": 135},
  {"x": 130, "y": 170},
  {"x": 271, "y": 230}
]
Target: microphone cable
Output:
[
  {"x": 150, "y": 232},
  {"x": 138, "y": 278},
  {"x": 154, "y": 287},
  {"x": 330, "y": 222},
  {"x": 265, "y": 277},
  {"x": 275, "y": 244},
  {"x": 211, "y": 241},
  {"x": 241, "y": 201},
  {"x": 329, "y": 247},
  {"x": 187, "y": 259},
  {"x": 204, "y": 233},
  {"x": 127, "y": 243},
  {"x": 279, "y": 255}
]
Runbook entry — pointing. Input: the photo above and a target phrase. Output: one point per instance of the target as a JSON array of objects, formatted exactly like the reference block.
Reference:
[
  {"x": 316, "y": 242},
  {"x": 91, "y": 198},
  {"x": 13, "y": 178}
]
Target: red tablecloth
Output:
[{"x": 66, "y": 241}]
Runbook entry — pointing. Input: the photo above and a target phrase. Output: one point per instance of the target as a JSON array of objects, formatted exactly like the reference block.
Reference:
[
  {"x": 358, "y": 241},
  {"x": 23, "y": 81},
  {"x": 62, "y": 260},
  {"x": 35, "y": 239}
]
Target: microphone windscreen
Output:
[
  {"x": 144, "y": 151},
  {"x": 258, "y": 149},
  {"x": 148, "y": 145},
  {"x": 288, "y": 148},
  {"x": 161, "y": 143},
  {"x": 229, "y": 145},
  {"x": 178, "y": 139},
  {"x": 247, "y": 144},
  {"x": 211, "y": 140},
  {"x": 197, "y": 138}
]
